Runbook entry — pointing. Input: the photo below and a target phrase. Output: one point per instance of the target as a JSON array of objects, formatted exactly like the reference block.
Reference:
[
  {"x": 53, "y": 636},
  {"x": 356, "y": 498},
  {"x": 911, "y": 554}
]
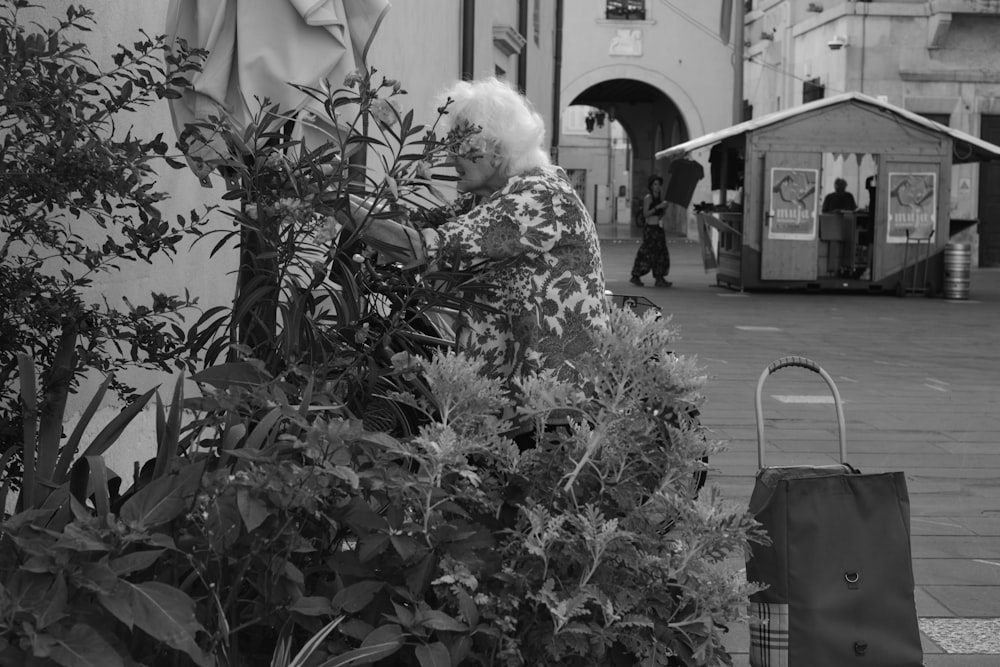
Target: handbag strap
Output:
[{"x": 808, "y": 364}]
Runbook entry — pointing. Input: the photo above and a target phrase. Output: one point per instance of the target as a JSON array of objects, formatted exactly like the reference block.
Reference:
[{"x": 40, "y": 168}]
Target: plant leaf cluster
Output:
[
  {"x": 342, "y": 489},
  {"x": 262, "y": 522},
  {"x": 78, "y": 201}
]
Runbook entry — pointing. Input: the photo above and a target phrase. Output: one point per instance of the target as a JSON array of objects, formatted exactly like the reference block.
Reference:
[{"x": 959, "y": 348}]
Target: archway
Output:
[{"x": 651, "y": 120}]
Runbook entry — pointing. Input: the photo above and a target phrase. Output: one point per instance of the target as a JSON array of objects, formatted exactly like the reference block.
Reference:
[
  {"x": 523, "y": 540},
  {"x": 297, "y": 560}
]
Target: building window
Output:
[
  {"x": 812, "y": 90},
  {"x": 625, "y": 10},
  {"x": 579, "y": 119}
]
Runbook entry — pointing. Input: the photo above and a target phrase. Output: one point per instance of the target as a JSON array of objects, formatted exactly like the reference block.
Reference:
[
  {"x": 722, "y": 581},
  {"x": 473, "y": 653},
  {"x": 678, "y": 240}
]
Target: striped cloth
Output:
[{"x": 768, "y": 634}]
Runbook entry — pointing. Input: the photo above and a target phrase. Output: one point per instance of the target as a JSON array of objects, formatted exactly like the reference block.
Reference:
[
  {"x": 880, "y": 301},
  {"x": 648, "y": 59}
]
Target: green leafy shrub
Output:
[
  {"x": 310, "y": 304},
  {"x": 447, "y": 546},
  {"x": 339, "y": 493},
  {"x": 77, "y": 201}
]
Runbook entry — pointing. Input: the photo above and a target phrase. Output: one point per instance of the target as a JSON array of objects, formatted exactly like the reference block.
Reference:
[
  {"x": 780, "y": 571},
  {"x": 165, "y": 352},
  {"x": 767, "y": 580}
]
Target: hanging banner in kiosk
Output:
[
  {"x": 912, "y": 206},
  {"x": 793, "y": 204}
]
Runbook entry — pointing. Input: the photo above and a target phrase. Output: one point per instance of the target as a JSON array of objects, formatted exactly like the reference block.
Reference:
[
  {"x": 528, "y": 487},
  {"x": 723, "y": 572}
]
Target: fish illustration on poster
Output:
[
  {"x": 912, "y": 206},
  {"x": 793, "y": 204}
]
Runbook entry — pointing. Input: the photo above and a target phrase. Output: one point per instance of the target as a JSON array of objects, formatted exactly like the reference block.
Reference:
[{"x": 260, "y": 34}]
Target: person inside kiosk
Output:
[
  {"x": 840, "y": 199},
  {"x": 846, "y": 229}
]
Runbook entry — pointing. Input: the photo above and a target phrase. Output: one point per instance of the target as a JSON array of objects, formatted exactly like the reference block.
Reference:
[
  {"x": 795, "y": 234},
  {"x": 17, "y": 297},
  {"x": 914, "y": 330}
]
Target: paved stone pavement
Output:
[{"x": 919, "y": 380}]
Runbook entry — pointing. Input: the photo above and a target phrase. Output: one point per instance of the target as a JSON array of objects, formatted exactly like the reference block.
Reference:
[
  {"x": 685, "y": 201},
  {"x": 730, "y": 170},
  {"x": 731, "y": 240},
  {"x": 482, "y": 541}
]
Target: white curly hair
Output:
[{"x": 507, "y": 120}]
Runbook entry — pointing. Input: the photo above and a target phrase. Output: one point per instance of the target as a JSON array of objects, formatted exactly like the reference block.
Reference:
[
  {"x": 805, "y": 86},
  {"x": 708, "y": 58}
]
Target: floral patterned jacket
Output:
[{"x": 536, "y": 244}]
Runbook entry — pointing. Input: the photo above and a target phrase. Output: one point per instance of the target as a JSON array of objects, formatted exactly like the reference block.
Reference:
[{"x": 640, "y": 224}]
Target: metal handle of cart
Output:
[{"x": 808, "y": 364}]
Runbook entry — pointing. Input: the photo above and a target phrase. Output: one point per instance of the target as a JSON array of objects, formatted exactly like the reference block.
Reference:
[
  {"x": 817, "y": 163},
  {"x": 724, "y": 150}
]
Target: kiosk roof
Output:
[{"x": 973, "y": 149}]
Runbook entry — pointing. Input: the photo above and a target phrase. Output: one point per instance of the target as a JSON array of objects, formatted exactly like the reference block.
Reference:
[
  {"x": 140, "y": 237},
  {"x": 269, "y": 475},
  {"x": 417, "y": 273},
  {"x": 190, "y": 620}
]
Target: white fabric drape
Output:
[{"x": 257, "y": 48}]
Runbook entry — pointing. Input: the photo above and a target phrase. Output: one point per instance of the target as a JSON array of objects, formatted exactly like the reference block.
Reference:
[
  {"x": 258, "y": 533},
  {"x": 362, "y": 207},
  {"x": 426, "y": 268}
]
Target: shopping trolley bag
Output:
[{"x": 838, "y": 568}]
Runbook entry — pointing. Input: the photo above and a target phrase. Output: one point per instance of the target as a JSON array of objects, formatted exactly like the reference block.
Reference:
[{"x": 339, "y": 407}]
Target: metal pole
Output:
[
  {"x": 738, "y": 32},
  {"x": 522, "y": 57},
  {"x": 468, "y": 63},
  {"x": 557, "y": 83},
  {"x": 612, "y": 198}
]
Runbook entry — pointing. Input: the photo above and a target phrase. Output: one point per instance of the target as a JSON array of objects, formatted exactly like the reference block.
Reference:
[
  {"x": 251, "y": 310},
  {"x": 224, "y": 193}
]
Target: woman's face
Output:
[
  {"x": 477, "y": 164},
  {"x": 655, "y": 188},
  {"x": 477, "y": 174}
]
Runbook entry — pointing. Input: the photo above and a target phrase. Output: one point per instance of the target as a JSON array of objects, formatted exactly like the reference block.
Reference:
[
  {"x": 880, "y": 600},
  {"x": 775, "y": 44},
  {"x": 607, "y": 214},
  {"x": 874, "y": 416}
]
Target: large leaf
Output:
[
  {"x": 303, "y": 656},
  {"x": 168, "y": 615},
  {"x": 260, "y": 432},
  {"x": 169, "y": 428},
  {"x": 433, "y": 655},
  {"x": 58, "y": 381},
  {"x": 34, "y": 516},
  {"x": 467, "y": 606},
  {"x": 253, "y": 511},
  {"x": 58, "y": 501},
  {"x": 110, "y": 433},
  {"x": 89, "y": 475},
  {"x": 438, "y": 620},
  {"x": 80, "y": 537},
  {"x": 234, "y": 433},
  {"x": 118, "y": 601},
  {"x": 239, "y": 373},
  {"x": 419, "y": 575},
  {"x": 163, "y": 499},
  {"x": 82, "y": 646},
  {"x": 134, "y": 562},
  {"x": 315, "y": 605},
  {"x": 68, "y": 452},
  {"x": 41, "y": 596},
  {"x": 382, "y": 642},
  {"x": 54, "y": 604},
  {"x": 357, "y": 596},
  {"x": 96, "y": 577}
]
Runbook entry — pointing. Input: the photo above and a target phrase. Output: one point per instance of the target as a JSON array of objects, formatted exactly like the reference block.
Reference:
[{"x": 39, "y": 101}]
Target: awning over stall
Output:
[{"x": 967, "y": 148}]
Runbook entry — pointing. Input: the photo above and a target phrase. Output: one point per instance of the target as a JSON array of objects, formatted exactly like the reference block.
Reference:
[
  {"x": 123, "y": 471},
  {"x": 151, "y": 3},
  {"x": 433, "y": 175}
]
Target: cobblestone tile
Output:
[{"x": 964, "y": 635}]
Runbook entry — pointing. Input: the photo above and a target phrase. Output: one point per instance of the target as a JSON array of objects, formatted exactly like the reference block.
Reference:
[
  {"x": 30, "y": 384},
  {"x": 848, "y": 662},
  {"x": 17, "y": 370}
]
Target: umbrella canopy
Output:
[{"x": 257, "y": 48}]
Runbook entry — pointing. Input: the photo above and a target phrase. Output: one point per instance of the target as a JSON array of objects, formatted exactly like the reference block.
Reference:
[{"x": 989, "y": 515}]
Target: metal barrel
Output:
[{"x": 957, "y": 260}]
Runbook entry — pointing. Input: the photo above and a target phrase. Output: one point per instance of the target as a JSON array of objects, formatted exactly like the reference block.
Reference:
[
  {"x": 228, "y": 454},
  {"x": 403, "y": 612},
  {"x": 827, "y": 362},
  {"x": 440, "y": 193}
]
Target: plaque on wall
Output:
[{"x": 626, "y": 42}]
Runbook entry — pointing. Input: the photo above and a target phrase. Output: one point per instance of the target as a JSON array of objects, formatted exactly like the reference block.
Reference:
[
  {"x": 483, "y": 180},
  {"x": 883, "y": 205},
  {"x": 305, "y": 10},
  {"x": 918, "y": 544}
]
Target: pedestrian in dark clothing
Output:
[{"x": 653, "y": 255}]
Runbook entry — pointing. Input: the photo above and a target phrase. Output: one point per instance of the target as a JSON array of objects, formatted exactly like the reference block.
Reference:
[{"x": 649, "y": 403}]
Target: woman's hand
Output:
[{"x": 393, "y": 241}]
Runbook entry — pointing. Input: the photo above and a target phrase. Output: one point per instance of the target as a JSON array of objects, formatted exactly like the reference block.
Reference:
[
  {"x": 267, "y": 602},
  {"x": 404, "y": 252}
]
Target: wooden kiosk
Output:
[{"x": 893, "y": 241}]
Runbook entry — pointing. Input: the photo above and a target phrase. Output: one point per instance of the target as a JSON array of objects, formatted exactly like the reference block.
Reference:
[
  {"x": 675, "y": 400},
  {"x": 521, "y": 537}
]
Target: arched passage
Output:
[{"x": 653, "y": 110}]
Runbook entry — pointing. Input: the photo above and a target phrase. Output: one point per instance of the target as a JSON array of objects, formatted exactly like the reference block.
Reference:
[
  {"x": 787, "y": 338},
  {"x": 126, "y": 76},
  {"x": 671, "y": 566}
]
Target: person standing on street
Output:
[{"x": 653, "y": 254}]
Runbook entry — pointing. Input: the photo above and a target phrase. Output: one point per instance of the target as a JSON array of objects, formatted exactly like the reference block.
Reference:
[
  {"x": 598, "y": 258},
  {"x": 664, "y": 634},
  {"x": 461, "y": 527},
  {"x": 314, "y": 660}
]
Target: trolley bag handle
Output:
[{"x": 808, "y": 364}]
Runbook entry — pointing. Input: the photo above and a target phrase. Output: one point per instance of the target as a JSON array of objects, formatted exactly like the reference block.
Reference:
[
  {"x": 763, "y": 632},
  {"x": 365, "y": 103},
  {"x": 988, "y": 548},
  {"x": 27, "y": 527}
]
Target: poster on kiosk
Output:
[
  {"x": 912, "y": 206},
  {"x": 793, "y": 204}
]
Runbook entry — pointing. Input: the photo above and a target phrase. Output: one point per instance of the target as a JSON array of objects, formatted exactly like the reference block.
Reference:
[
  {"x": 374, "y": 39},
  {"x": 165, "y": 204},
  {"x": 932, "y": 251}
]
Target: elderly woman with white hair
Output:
[{"x": 522, "y": 228}]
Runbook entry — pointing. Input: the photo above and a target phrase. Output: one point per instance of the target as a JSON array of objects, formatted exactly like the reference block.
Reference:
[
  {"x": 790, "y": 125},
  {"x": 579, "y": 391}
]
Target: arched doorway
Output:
[{"x": 625, "y": 122}]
